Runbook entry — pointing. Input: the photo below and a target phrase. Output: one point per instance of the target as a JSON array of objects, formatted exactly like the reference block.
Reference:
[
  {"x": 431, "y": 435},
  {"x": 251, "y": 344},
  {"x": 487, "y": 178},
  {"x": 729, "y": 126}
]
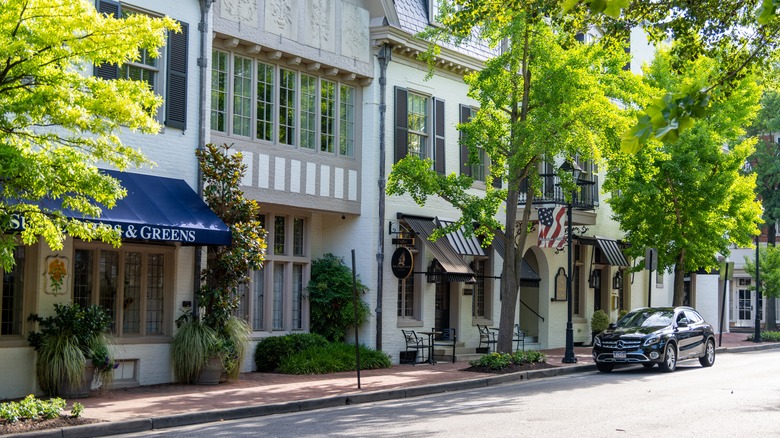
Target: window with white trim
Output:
[
  {"x": 219, "y": 83},
  {"x": 166, "y": 75},
  {"x": 288, "y": 106}
]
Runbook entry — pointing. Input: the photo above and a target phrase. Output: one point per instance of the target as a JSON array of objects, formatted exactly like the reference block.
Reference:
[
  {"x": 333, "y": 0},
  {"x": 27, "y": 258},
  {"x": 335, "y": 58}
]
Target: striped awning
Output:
[
  {"x": 465, "y": 246},
  {"x": 453, "y": 264},
  {"x": 609, "y": 247}
]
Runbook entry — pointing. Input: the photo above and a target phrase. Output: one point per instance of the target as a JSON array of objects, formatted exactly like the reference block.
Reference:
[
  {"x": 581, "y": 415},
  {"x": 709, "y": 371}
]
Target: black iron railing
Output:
[{"x": 585, "y": 198}]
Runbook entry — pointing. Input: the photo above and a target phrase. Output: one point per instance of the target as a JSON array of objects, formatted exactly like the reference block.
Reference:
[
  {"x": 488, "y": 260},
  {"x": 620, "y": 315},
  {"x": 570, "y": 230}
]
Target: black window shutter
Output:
[
  {"x": 465, "y": 116},
  {"x": 401, "y": 124},
  {"x": 438, "y": 136},
  {"x": 107, "y": 71},
  {"x": 176, "y": 98}
]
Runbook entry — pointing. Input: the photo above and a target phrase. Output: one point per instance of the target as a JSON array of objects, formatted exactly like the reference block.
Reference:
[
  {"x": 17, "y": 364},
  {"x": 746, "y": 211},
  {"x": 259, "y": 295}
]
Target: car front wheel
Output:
[
  {"x": 709, "y": 354},
  {"x": 605, "y": 367},
  {"x": 670, "y": 359}
]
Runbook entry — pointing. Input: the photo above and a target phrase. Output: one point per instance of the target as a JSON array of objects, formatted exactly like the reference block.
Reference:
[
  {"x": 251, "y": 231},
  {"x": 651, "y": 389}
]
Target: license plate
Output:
[{"x": 619, "y": 354}]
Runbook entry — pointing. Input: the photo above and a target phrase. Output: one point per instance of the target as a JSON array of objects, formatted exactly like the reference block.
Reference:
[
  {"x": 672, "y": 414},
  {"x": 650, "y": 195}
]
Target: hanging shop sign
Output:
[{"x": 402, "y": 262}]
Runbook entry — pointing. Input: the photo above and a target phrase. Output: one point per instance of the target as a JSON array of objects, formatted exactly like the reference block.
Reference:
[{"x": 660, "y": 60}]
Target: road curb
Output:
[{"x": 188, "y": 419}]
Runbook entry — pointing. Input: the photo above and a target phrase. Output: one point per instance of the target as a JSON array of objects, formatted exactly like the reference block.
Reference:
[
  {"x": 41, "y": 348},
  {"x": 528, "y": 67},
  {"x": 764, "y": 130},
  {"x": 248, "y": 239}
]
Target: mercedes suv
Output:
[{"x": 655, "y": 335}]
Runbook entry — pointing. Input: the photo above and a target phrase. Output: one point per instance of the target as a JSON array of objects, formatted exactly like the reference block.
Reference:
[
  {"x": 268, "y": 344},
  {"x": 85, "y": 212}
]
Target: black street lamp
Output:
[
  {"x": 757, "y": 331},
  {"x": 568, "y": 356}
]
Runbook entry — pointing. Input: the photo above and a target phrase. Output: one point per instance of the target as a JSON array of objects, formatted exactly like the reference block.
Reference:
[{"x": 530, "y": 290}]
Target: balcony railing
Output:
[{"x": 585, "y": 198}]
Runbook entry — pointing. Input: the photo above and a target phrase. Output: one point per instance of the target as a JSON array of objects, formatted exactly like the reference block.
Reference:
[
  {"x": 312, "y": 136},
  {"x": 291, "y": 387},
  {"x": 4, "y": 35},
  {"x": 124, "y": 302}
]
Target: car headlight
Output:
[
  {"x": 652, "y": 340},
  {"x": 597, "y": 342}
]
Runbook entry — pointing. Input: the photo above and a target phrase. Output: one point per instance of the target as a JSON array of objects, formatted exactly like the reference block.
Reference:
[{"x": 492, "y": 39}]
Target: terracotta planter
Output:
[
  {"x": 81, "y": 389},
  {"x": 212, "y": 372}
]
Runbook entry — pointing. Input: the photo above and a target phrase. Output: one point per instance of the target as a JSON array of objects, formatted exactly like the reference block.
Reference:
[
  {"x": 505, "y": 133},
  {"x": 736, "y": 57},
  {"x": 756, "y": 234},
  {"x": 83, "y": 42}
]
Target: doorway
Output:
[
  {"x": 745, "y": 307},
  {"x": 442, "y": 313}
]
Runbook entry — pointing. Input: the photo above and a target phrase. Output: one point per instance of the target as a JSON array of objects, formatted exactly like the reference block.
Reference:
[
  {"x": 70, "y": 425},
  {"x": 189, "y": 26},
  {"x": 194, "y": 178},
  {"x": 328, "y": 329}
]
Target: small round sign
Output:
[{"x": 402, "y": 262}]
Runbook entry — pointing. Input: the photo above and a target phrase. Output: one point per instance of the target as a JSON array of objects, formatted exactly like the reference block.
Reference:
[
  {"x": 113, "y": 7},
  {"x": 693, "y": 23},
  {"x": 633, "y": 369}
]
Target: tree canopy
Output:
[
  {"x": 742, "y": 34},
  {"x": 688, "y": 198},
  {"x": 59, "y": 121},
  {"x": 543, "y": 97}
]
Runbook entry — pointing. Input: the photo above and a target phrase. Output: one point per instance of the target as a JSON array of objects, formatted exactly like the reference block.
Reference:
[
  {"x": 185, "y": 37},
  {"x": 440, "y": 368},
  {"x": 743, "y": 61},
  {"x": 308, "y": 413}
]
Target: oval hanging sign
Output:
[{"x": 402, "y": 262}]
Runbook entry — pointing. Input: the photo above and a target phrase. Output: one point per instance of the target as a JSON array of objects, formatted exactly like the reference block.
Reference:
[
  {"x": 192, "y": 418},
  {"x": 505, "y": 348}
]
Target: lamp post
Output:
[
  {"x": 568, "y": 356},
  {"x": 757, "y": 331}
]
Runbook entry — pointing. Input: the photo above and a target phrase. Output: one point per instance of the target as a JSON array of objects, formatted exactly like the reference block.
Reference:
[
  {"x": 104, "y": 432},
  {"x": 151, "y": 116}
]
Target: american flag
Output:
[{"x": 551, "y": 232}]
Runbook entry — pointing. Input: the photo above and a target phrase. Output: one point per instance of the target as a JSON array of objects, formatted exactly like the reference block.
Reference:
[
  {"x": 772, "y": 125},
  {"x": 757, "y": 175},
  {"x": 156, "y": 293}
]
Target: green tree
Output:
[
  {"x": 331, "y": 298},
  {"x": 765, "y": 162},
  {"x": 688, "y": 197},
  {"x": 743, "y": 34},
  {"x": 769, "y": 271},
  {"x": 545, "y": 96},
  {"x": 228, "y": 267},
  {"x": 47, "y": 48}
]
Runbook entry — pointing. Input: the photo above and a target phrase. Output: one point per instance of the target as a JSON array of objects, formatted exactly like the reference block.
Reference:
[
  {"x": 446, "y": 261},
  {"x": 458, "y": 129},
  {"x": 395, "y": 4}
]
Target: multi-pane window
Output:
[
  {"x": 278, "y": 300},
  {"x": 219, "y": 88},
  {"x": 287, "y": 100},
  {"x": 258, "y": 302},
  {"x": 328, "y": 115},
  {"x": 406, "y": 297},
  {"x": 242, "y": 95},
  {"x": 12, "y": 296},
  {"x": 285, "y": 274},
  {"x": 478, "y": 170},
  {"x": 308, "y": 112},
  {"x": 288, "y": 106},
  {"x": 297, "y": 297},
  {"x": 131, "y": 286},
  {"x": 479, "y": 299},
  {"x": 265, "y": 101},
  {"x": 298, "y": 233},
  {"x": 279, "y": 234},
  {"x": 143, "y": 69},
  {"x": 418, "y": 125},
  {"x": 347, "y": 121}
]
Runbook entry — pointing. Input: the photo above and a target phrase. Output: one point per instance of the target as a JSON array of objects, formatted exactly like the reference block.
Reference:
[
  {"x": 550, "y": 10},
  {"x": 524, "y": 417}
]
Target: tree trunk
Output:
[
  {"x": 679, "y": 279},
  {"x": 510, "y": 280}
]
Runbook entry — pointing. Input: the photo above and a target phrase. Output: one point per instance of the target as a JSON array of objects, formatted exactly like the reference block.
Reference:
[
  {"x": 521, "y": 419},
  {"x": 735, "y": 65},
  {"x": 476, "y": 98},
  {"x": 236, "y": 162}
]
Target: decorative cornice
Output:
[
  {"x": 281, "y": 56},
  {"x": 409, "y": 46}
]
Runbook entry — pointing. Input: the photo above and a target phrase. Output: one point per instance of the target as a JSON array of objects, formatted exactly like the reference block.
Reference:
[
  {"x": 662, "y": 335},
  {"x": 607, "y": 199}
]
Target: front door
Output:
[
  {"x": 746, "y": 305},
  {"x": 442, "y": 316}
]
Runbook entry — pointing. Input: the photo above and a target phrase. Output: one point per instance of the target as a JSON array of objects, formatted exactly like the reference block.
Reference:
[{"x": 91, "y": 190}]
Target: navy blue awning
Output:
[{"x": 158, "y": 209}]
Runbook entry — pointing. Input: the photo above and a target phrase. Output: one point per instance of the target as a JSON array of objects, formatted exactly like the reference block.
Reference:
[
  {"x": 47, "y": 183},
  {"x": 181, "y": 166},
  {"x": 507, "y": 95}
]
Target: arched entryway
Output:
[{"x": 530, "y": 312}]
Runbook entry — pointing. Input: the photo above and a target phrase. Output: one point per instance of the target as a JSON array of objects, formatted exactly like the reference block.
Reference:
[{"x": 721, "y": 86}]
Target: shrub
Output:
[
  {"x": 270, "y": 351},
  {"x": 333, "y": 358},
  {"x": 599, "y": 321},
  {"x": 768, "y": 336},
  {"x": 31, "y": 408},
  {"x": 493, "y": 361},
  {"x": 331, "y": 298}
]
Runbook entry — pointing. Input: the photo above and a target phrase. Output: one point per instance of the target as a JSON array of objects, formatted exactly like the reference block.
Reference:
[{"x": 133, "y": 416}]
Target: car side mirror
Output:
[
  {"x": 612, "y": 325},
  {"x": 682, "y": 323}
]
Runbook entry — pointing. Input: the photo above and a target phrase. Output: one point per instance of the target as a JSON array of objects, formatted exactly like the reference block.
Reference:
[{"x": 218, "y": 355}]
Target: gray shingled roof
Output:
[{"x": 413, "y": 18}]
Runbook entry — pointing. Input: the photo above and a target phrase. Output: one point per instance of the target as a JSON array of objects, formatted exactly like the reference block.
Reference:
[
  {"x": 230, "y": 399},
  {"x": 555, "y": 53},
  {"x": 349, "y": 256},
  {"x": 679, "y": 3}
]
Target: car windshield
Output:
[{"x": 647, "y": 318}]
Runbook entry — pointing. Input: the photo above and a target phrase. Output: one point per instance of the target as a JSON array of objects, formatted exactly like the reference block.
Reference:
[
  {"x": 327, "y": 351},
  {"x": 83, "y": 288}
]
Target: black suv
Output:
[{"x": 650, "y": 335}]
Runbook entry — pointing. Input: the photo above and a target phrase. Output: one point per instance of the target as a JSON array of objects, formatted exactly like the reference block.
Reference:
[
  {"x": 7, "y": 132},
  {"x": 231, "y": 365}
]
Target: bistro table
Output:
[{"x": 430, "y": 335}]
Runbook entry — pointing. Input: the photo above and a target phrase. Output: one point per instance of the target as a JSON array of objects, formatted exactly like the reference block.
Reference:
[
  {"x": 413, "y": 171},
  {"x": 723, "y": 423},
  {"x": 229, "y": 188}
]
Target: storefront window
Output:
[
  {"x": 137, "y": 303},
  {"x": 13, "y": 293}
]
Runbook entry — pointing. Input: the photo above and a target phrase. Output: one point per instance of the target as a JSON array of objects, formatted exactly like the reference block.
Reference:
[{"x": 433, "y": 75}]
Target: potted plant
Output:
[
  {"x": 211, "y": 332},
  {"x": 68, "y": 344},
  {"x": 598, "y": 322}
]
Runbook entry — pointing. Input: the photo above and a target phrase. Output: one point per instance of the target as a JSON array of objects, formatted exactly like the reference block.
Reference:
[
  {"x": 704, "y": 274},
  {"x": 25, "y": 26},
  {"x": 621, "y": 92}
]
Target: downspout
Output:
[
  {"x": 203, "y": 28},
  {"x": 383, "y": 56}
]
